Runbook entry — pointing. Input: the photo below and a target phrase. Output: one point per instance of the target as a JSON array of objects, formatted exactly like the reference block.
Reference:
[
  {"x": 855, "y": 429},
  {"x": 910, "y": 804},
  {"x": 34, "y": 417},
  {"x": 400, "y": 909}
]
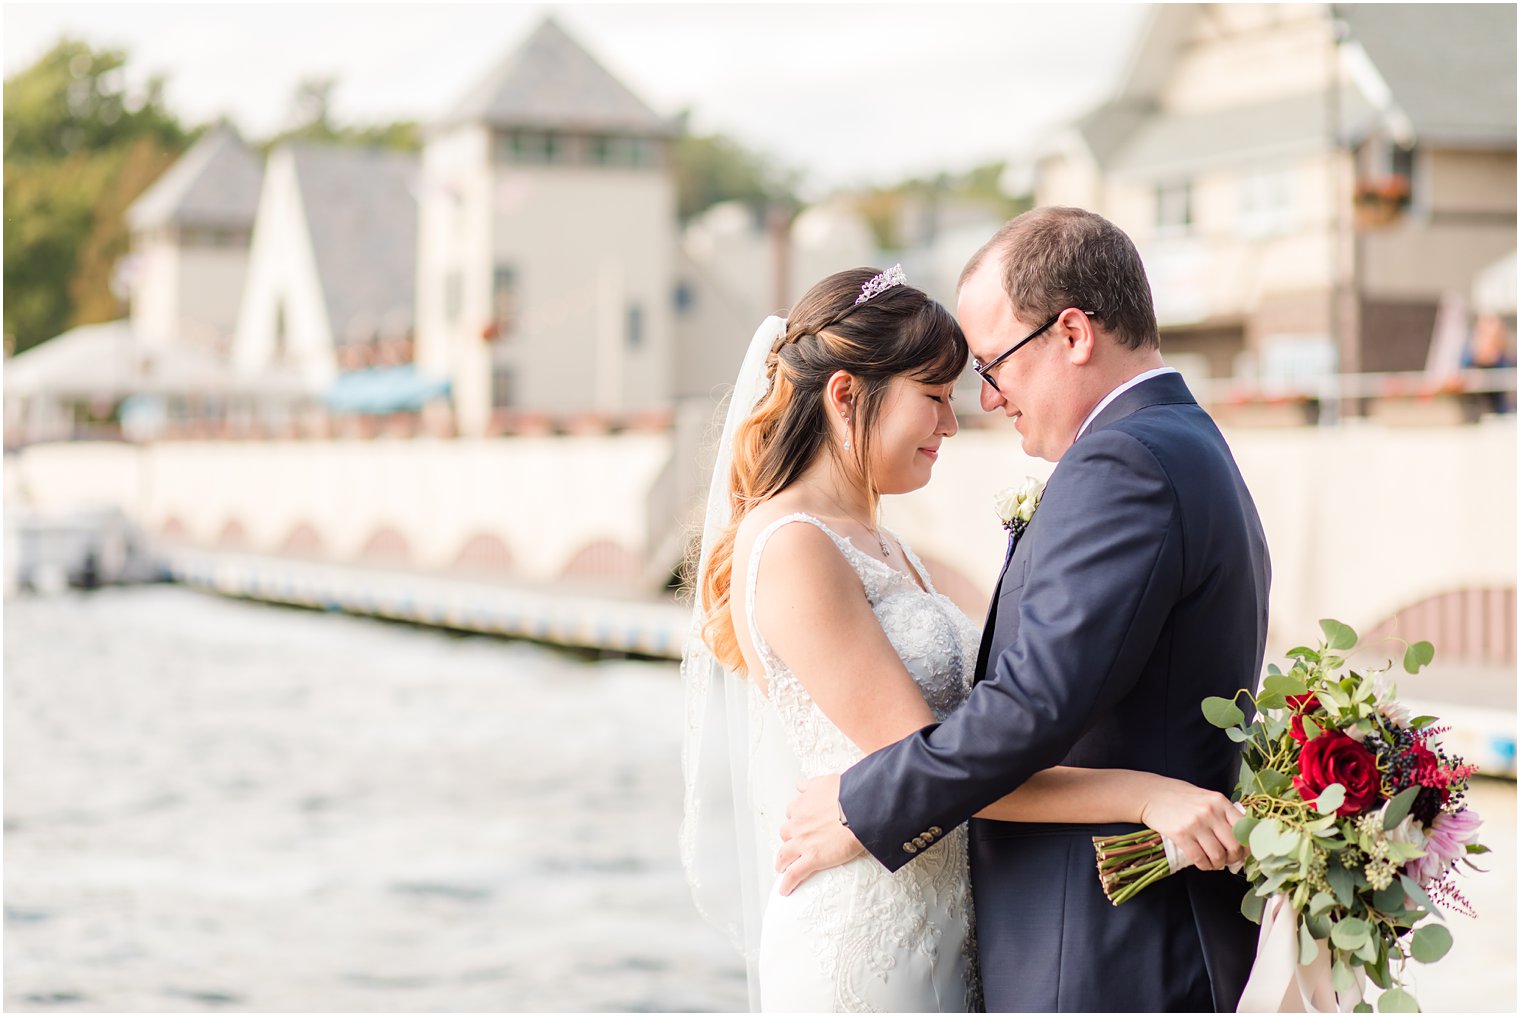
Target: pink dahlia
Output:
[{"x": 1445, "y": 843}]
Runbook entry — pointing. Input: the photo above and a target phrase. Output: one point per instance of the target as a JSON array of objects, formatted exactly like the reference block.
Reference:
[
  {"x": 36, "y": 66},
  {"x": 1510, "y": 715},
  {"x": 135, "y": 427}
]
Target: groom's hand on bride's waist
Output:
[{"x": 814, "y": 836}]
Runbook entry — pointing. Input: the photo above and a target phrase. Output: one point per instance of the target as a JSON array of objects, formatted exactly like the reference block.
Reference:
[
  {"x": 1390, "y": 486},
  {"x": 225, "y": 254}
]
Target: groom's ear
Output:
[{"x": 1081, "y": 337}]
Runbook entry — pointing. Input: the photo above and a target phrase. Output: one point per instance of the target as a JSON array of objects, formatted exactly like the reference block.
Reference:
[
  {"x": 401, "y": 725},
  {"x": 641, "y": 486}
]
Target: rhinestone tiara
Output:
[{"x": 881, "y": 283}]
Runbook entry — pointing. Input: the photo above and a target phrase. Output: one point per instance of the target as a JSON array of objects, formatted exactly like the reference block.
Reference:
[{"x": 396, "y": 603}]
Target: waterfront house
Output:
[
  {"x": 1304, "y": 181},
  {"x": 333, "y": 265},
  {"x": 546, "y": 241}
]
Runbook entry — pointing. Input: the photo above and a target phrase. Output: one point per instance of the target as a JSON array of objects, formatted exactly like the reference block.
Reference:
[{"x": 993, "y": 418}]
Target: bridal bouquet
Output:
[{"x": 1354, "y": 815}]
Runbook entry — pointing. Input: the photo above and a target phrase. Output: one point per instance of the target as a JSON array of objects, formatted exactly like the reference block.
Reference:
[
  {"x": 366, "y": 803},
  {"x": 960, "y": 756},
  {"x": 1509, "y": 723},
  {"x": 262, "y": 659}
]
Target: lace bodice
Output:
[
  {"x": 936, "y": 641},
  {"x": 872, "y": 939}
]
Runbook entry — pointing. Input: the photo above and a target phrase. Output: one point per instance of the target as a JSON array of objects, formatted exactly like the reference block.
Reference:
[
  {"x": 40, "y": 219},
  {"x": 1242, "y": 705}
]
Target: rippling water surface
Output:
[
  {"x": 217, "y": 805},
  {"x": 213, "y": 805}
]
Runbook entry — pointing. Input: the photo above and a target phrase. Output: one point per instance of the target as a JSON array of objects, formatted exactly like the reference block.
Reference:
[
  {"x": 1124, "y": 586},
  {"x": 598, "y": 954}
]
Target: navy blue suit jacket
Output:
[{"x": 1139, "y": 588}]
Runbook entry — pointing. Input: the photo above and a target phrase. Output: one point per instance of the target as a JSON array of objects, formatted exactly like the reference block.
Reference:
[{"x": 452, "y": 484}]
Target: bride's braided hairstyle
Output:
[{"x": 899, "y": 331}]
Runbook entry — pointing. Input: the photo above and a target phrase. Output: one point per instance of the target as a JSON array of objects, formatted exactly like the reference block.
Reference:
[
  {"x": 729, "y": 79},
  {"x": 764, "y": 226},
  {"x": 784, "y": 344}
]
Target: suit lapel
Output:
[{"x": 1163, "y": 390}]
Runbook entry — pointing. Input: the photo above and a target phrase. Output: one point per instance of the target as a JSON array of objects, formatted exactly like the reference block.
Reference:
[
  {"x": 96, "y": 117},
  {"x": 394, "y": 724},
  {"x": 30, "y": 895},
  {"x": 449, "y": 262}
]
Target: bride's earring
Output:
[{"x": 847, "y": 433}]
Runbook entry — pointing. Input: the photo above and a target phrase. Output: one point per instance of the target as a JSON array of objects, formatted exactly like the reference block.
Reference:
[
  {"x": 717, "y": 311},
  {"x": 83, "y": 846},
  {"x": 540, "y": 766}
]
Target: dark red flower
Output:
[
  {"x": 1332, "y": 757},
  {"x": 1296, "y": 728},
  {"x": 1305, "y": 703}
]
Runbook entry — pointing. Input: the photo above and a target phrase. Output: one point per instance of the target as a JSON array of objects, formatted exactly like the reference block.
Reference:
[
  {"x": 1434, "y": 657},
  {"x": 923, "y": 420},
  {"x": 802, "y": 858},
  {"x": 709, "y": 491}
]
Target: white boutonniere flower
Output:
[{"x": 1016, "y": 505}]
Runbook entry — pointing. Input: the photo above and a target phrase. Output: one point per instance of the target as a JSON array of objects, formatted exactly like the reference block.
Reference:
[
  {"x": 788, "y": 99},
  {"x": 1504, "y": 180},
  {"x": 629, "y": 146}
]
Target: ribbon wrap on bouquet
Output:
[{"x": 1279, "y": 983}]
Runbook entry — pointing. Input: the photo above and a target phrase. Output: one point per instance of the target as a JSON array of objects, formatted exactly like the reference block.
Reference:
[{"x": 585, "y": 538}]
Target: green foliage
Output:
[
  {"x": 1430, "y": 943},
  {"x": 1222, "y": 712},
  {"x": 1397, "y": 1000},
  {"x": 312, "y": 120},
  {"x": 1418, "y": 655},
  {"x": 713, "y": 168},
  {"x": 78, "y": 150}
]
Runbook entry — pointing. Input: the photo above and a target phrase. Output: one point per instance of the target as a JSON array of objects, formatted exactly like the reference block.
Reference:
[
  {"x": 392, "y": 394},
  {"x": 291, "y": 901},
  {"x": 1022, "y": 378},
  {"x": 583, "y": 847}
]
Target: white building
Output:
[
  {"x": 190, "y": 235},
  {"x": 333, "y": 264},
  {"x": 546, "y": 241},
  {"x": 1304, "y": 181}
]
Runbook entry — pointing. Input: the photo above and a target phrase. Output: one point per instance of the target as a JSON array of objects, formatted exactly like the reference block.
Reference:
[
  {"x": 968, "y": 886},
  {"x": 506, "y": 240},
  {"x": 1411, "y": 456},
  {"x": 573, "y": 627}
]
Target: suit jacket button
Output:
[
  {"x": 910, "y": 848},
  {"x": 918, "y": 841},
  {"x": 935, "y": 830}
]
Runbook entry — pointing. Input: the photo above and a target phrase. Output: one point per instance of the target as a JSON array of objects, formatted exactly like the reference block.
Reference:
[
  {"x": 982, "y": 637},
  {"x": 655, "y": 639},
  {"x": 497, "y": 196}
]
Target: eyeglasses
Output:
[{"x": 985, "y": 369}]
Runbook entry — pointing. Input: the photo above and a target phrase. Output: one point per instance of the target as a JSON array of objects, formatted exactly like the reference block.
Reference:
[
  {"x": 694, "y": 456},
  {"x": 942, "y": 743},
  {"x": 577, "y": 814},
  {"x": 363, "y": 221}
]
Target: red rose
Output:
[
  {"x": 1305, "y": 703},
  {"x": 1332, "y": 757}
]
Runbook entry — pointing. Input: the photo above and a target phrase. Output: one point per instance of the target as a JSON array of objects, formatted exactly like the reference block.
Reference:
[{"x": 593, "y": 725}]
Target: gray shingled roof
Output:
[
  {"x": 361, "y": 211},
  {"x": 552, "y": 82},
  {"x": 1450, "y": 67},
  {"x": 1264, "y": 130},
  {"x": 215, "y": 183}
]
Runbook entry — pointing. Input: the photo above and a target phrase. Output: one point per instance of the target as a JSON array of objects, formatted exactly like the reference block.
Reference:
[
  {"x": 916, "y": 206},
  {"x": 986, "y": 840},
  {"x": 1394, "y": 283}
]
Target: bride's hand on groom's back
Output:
[{"x": 1200, "y": 823}]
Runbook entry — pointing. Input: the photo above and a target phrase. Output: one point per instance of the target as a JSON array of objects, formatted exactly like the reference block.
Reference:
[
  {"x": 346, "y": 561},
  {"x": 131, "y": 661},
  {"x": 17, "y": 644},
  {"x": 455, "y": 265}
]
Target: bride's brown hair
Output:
[{"x": 899, "y": 332}]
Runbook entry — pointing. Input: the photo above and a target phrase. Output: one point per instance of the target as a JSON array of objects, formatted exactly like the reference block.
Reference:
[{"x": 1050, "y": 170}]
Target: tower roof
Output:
[
  {"x": 215, "y": 183},
  {"x": 551, "y": 82}
]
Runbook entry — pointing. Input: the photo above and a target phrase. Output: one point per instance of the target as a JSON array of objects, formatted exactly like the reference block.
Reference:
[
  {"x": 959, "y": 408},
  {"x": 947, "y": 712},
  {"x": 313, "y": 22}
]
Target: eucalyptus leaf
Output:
[
  {"x": 1319, "y": 925},
  {"x": 1321, "y": 902},
  {"x": 1252, "y": 907},
  {"x": 1397, "y": 1000},
  {"x": 1342, "y": 883},
  {"x": 1421, "y": 722},
  {"x": 1264, "y": 840},
  {"x": 1243, "y": 827},
  {"x": 1399, "y": 806},
  {"x": 1308, "y": 949},
  {"x": 1430, "y": 943},
  {"x": 1350, "y": 932},
  {"x": 1273, "y": 670},
  {"x": 1361, "y": 1007},
  {"x": 1222, "y": 712},
  {"x": 1367, "y": 952},
  {"x": 1341, "y": 977},
  {"x": 1337, "y": 635},
  {"x": 1304, "y": 653},
  {"x": 1331, "y": 798},
  {"x": 1418, "y": 655},
  {"x": 1390, "y": 899},
  {"x": 1271, "y": 781},
  {"x": 1311, "y": 728},
  {"x": 1284, "y": 684},
  {"x": 1377, "y": 973},
  {"x": 1271, "y": 700},
  {"x": 1416, "y": 893},
  {"x": 1399, "y": 852},
  {"x": 1235, "y": 734}
]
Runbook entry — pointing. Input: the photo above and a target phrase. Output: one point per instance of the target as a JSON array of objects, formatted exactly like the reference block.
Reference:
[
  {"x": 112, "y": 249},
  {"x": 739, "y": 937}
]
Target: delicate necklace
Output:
[{"x": 881, "y": 541}]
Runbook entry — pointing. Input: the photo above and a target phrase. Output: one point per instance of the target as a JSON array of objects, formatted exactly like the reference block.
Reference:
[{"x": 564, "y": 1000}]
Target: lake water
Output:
[{"x": 213, "y": 805}]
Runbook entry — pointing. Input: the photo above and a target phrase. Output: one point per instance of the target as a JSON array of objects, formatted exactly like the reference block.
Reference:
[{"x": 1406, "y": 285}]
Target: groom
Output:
[{"x": 1139, "y": 588}]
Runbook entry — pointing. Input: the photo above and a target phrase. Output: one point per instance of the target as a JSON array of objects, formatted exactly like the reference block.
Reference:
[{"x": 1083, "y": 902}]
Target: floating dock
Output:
[{"x": 569, "y": 617}]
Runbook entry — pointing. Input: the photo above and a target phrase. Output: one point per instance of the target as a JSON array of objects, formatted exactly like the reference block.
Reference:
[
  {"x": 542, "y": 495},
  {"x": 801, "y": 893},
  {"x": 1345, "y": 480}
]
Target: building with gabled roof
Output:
[
  {"x": 190, "y": 233},
  {"x": 545, "y": 271},
  {"x": 333, "y": 262},
  {"x": 1304, "y": 181}
]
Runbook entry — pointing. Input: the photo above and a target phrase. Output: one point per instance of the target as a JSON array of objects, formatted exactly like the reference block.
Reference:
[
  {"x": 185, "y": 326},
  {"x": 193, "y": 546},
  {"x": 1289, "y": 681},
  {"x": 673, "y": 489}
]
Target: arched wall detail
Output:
[
  {"x": 303, "y": 540},
  {"x": 233, "y": 536},
  {"x": 485, "y": 552},
  {"x": 603, "y": 559},
  {"x": 386, "y": 545},
  {"x": 1465, "y": 625}
]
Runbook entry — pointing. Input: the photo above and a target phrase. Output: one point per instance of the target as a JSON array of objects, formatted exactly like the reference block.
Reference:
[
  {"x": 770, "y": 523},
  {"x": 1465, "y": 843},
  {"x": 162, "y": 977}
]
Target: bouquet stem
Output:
[{"x": 1130, "y": 862}]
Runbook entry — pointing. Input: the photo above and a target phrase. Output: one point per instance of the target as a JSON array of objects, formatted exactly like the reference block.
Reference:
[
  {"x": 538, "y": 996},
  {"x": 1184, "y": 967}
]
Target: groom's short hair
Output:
[{"x": 1057, "y": 257}]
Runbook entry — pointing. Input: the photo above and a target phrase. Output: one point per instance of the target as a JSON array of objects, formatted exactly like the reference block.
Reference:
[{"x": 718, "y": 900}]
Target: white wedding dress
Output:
[{"x": 859, "y": 938}]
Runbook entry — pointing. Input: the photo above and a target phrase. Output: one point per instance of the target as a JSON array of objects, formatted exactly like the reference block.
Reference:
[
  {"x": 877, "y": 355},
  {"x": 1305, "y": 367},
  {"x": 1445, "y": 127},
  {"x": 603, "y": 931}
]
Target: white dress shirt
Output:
[{"x": 1126, "y": 386}]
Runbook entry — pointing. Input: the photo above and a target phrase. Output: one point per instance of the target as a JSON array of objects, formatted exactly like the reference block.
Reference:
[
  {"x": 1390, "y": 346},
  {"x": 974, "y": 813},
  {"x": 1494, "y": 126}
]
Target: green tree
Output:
[
  {"x": 311, "y": 119},
  {"x": 713, "y": 168},
  {"x": 79, "y": 148}
]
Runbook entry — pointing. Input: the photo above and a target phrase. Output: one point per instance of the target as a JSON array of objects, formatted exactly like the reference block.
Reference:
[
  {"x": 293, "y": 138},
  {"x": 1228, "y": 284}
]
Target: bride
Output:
[{"x": 819, "y": 637}]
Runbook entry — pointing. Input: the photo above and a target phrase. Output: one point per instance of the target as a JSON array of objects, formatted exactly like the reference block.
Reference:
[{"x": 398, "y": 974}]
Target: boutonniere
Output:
[{"x": 1016, "y": 505}]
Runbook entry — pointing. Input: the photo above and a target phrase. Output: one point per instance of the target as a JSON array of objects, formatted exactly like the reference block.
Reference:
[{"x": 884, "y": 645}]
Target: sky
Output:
[{"x": 847, "y": 94}]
